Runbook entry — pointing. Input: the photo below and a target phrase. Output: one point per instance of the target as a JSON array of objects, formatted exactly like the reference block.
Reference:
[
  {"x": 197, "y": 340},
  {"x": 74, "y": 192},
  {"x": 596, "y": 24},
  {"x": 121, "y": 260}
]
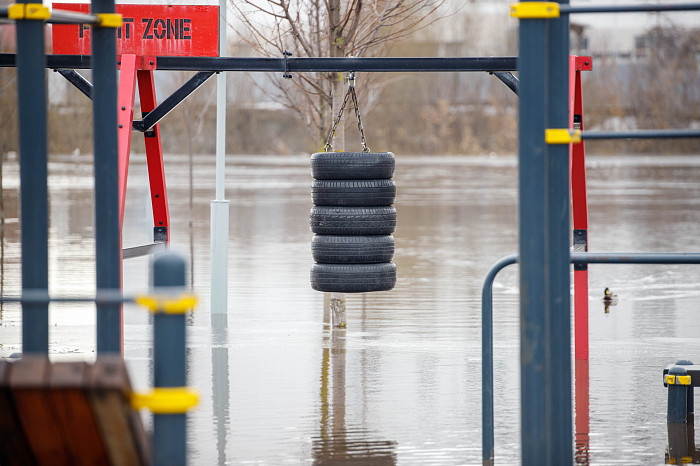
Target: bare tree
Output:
[{"x": 327, "y": 28}]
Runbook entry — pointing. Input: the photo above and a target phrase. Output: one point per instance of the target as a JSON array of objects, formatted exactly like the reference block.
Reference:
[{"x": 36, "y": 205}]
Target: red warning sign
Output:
[{"x": 148, "y": 30}]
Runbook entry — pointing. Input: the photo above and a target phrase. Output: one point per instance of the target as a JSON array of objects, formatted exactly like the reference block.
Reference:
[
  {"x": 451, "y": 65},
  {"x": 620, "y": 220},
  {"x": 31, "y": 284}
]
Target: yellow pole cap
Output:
[{"x": 534, "y": 10}]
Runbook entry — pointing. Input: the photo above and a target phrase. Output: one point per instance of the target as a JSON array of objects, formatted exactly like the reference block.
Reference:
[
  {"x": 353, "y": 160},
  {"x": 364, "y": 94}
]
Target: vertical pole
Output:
[
  {"x": 31, "y": 89},
  {"x": 557, "y": 266},
  {"x": 220, "y": 206},
  {"x": 107, "y": 234},
  {"x": 169, "y": 361},
  {"x": 531, "y": 155}
]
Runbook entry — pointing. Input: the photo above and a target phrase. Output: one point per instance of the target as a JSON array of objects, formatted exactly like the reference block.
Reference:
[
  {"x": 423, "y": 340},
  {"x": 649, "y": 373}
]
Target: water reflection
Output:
[
  {"x": 220, "y": 385},
  {"x": 582, "y": 455},
  {"x": 336, "y": 443}
]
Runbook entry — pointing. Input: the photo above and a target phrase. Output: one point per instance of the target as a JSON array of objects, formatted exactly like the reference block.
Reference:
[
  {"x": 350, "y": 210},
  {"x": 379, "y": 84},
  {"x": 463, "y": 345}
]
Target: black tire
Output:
[
  {"x": 345, "y": 221},
  {"x": 352, "y": 165},
  {"x": 328, "y": 249},
  {"x": 354, "y": 278},
  {"x": 353, "y": 193}
]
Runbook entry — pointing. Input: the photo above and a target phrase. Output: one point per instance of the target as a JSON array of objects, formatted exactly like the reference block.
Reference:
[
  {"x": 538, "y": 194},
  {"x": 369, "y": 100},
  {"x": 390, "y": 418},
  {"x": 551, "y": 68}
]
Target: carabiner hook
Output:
[{"x": 351, "y": 79}]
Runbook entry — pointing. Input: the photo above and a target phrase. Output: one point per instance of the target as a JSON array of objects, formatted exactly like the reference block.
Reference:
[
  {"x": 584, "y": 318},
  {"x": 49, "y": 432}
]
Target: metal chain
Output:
[
  {"x": 359, "y": 119},
  {"x": 350, "y": 93},
  {"x": 329, "y": 138}
]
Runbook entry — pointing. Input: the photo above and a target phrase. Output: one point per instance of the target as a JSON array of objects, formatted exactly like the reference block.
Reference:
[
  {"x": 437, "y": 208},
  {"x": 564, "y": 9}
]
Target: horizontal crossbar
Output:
[
  {"x": 570, "y": 9},
  {"x": 298, "y": 65},
  {"x": 36, "y": 11},
  {"x": 642, "y": 134}
]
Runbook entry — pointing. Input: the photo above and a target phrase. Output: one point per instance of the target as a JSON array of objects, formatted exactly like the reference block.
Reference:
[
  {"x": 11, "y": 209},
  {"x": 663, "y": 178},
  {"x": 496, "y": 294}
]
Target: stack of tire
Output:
[{"x": 353, "y": 219}]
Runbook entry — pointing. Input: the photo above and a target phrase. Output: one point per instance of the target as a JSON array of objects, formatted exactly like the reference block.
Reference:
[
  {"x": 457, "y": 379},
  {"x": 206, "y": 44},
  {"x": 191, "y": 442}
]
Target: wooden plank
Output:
[
  {"x": 14, "y": 449},
  {"x": 110, "y": 391},
  {"x": 28, "y": 382},
  {"x": 68, "y": 399}
]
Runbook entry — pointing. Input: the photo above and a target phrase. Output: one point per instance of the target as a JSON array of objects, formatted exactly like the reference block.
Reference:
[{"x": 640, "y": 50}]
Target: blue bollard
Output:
[
  {"x": 677, "y": 416},
  {"x": 677, "y": 395},
  {"x": 690, "y": 408},
  {"x": 169, "y": 353}
]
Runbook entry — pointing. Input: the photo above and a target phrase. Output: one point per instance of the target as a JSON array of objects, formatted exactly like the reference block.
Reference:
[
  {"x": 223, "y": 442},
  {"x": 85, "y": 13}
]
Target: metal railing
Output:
[{"x": 487, "y": 416}]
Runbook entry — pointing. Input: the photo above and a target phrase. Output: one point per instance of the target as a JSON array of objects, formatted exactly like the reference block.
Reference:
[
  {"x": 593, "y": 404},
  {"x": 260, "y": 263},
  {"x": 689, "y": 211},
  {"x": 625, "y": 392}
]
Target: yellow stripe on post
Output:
[
  {"x": 109, "y": 20},
  {"x": 166, "y": 400},
  {"x": 677, "y": 379},
  {"x": 683, "y": 379},
  {"x": 35, "y": 11},
  {"x": 166, "y": 304},
  {"x": 15, "y": 11},
  {"x": 534, "y": 10},
  {"x": 562, "y": 136}
]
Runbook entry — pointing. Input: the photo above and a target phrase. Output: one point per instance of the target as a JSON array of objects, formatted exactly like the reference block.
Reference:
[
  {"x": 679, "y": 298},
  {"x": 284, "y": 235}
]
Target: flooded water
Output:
[{"x": 400, "y": 385}]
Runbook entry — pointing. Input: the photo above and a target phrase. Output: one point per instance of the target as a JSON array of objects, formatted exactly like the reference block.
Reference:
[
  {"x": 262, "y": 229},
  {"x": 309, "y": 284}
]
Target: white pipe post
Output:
[{"x": 220, "y": 206}]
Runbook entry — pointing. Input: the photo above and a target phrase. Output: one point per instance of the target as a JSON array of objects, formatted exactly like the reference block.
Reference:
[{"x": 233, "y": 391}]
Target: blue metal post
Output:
[
  {"x": 557, "y": 382},
  {"x": 107, "y": 231},
  {"x": 169, "y": 361},
  {"x": 531, "y": 158},
  {"x": 31, "y": 89}
]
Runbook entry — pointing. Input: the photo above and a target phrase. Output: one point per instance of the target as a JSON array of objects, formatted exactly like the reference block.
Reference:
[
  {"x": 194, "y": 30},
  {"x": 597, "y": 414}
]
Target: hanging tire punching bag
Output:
[{"x": 353, "y": 219}]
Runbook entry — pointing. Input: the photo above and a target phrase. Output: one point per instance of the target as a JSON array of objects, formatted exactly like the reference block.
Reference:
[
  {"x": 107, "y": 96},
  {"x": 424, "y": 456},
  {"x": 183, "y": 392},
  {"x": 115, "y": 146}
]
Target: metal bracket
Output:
[
  {"x": 286, "y": 74},
  {"x": 76, "y": 79},
  {"x": 152, "y": 118},
  {"x": 160, "y": 234},
  {"x": 580, "y": 245},
  {"x": 507, "y": 78}
]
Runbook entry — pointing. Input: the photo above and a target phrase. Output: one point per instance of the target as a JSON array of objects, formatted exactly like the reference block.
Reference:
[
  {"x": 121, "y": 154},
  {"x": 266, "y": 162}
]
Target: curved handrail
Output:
[{"x": 487, "y": 422}]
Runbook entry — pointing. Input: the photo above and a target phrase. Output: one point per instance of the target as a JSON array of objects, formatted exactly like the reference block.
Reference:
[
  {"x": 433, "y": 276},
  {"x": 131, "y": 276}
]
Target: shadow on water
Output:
[{"x": 337, "y": 444}]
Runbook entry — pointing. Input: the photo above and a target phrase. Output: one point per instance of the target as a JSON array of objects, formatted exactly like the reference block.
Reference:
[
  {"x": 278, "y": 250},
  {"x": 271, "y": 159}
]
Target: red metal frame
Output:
[
  {"x": 154, "y": 154},
  {"x": 132, "y": 71},
  {"x": 125, "y": 118},
  {"x": 579, "y": 202},
  {"x": 130, "y": 74}
]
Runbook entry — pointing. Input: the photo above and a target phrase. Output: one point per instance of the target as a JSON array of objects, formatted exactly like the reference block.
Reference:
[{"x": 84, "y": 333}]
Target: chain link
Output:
[
  {"x": 359, "y": 119},
  {"x": 349, "y": 94}
]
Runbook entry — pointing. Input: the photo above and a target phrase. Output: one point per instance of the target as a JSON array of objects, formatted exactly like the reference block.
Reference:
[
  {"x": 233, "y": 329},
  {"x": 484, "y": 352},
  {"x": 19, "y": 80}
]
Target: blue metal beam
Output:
[
  {"x": 107, "y": 231},
  {"x": 558, "y": 420},
  {"x": 31, "y": 90},
  {"x": 531, "y": 160}
]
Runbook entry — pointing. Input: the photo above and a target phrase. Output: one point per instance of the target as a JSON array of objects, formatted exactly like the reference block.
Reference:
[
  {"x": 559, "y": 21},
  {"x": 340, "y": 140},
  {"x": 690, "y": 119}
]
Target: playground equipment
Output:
[
  {"x": 544, "y": 134},
  {"x": 545, "y": 131},
  {"x": 353, "y": 217}
]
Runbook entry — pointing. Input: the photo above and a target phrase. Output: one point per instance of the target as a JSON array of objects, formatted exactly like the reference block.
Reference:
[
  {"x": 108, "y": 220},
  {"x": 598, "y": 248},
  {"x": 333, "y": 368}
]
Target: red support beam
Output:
[
  {"x": 579, "y": 205},
  {"x": 154, "y": 158},
  {"x": 125, "y": 118}
]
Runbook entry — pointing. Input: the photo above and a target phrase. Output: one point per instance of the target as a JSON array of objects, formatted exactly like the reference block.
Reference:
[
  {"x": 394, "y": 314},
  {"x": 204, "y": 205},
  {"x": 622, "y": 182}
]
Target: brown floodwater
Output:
[{"x": 400, "y": 385}]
